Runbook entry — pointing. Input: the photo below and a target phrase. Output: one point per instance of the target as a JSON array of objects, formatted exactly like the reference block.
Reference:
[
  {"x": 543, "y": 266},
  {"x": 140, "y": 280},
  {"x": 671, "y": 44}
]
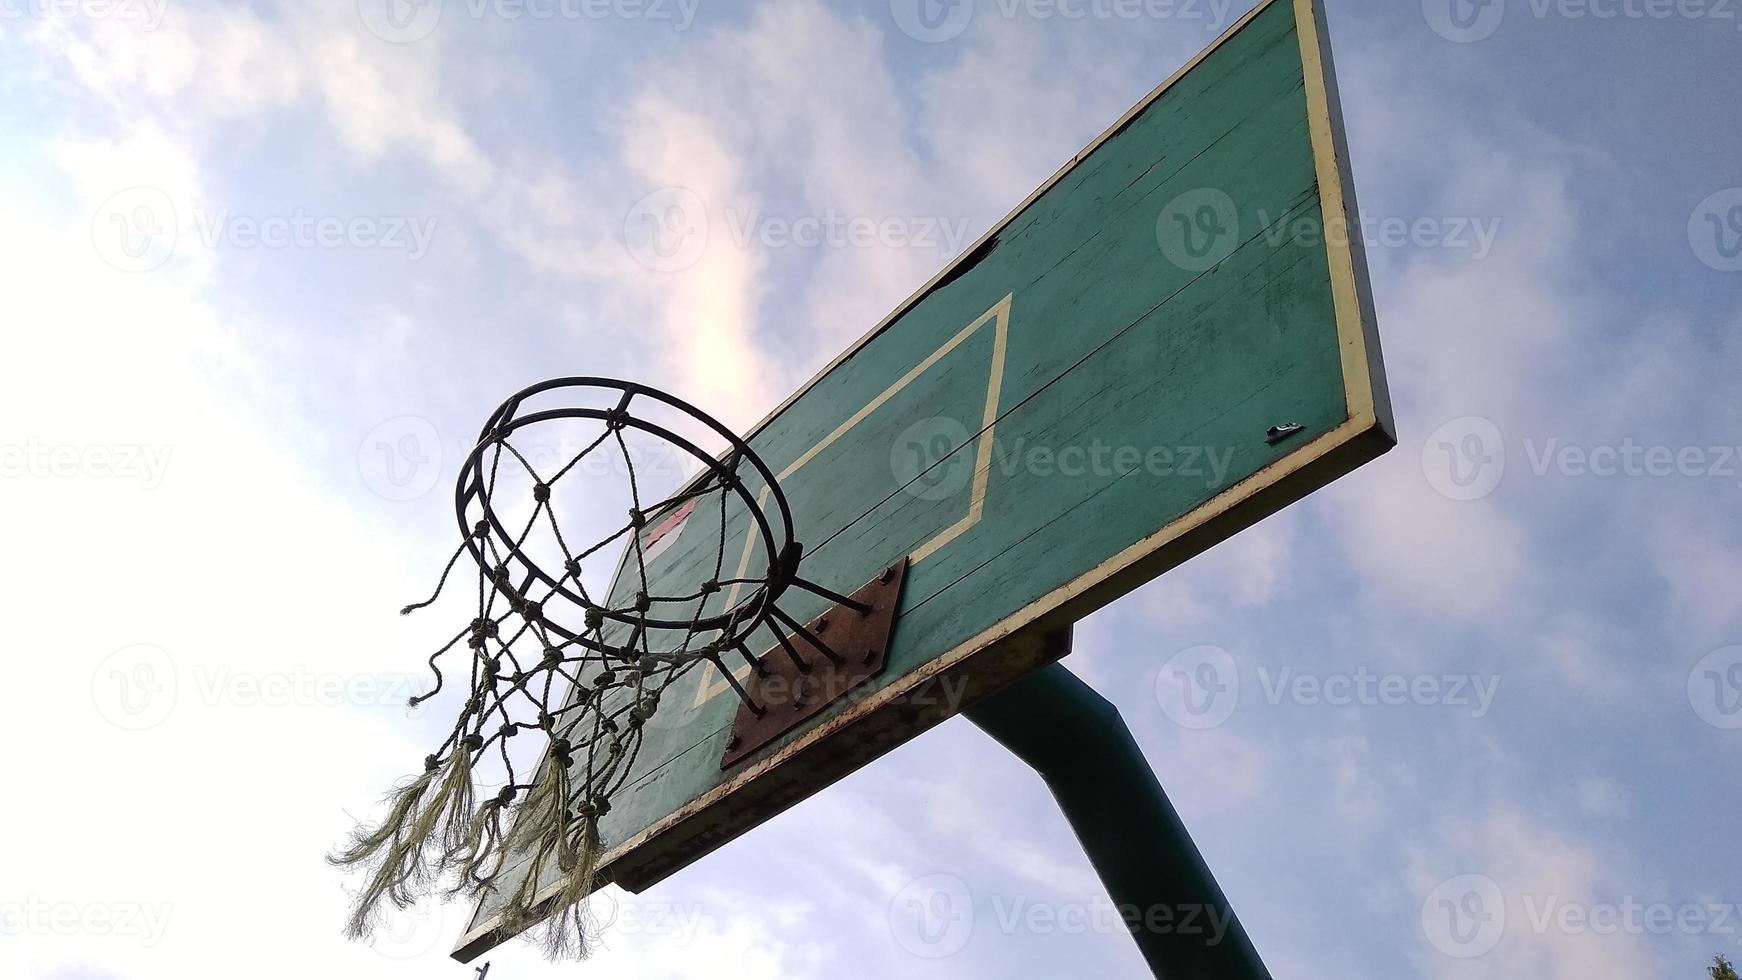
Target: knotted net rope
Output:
[{"x": 587, "y": 692}]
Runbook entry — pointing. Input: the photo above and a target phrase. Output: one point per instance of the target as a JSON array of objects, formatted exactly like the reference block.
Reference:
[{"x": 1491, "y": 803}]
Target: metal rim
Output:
[{"x": 737, "y": 621}]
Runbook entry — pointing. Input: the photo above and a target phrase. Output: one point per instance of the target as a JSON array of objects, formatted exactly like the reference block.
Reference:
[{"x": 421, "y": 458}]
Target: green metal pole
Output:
[{"x": 1153, "y": 872}]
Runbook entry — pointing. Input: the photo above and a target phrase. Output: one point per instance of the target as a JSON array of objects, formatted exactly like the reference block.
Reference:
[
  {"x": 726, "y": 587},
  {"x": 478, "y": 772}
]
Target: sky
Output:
[{"x": 264, "y": 268}]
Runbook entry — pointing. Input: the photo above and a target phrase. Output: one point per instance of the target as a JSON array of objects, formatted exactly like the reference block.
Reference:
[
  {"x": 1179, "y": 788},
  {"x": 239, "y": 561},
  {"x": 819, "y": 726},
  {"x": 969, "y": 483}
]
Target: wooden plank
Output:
[{"x": 1065, "y": 336}]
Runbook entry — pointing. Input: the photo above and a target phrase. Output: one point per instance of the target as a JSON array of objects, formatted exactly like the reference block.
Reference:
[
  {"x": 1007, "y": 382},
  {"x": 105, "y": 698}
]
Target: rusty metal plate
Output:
[{"x": 789, "y": 696}]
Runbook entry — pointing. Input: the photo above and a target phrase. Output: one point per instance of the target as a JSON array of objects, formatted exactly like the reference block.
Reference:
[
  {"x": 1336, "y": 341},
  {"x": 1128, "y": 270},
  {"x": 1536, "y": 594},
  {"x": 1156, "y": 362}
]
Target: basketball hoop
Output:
[{"x": 583, "y": 671}]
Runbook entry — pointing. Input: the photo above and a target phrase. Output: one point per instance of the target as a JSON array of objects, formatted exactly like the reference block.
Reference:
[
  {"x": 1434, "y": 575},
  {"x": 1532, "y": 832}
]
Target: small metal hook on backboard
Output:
[{"x": 1278, "y": 433}]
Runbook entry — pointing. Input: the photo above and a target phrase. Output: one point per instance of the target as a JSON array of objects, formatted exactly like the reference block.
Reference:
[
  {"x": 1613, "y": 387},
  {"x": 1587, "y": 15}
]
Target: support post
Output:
[{"x": 1086, "y": 755}]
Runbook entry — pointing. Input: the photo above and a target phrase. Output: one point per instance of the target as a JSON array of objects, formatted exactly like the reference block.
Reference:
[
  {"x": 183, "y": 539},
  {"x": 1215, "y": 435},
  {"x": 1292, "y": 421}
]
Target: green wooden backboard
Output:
[{"x": 1108, "y": 383}]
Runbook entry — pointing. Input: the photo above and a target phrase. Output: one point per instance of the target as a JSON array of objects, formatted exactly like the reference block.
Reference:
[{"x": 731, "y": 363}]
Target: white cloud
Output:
[
  {"x": 1581, "y": 652},
  {"x": 1457, "y": 559},
  {"x": 1245, "y": 572},
  {"x": 229, "y": 566},
  {"x": 1538, "y": 868}
]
